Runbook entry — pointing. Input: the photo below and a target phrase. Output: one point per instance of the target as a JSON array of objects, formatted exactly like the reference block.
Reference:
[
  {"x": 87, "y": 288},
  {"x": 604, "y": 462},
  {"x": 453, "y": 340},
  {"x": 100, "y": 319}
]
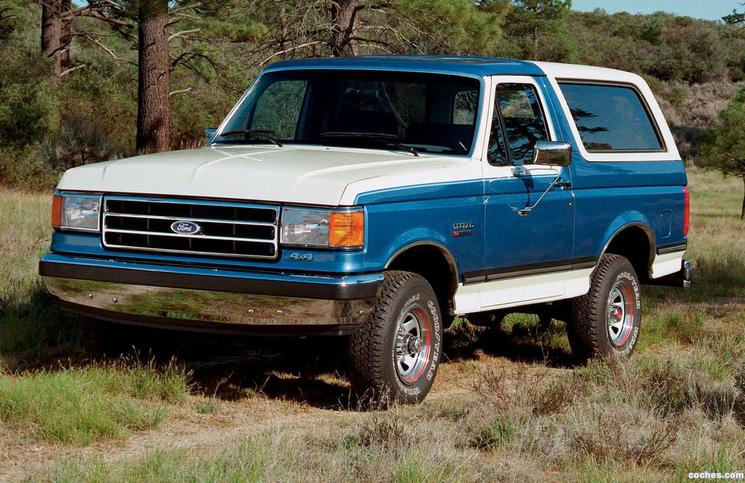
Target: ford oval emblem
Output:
[{"x": 185, "y": 228}]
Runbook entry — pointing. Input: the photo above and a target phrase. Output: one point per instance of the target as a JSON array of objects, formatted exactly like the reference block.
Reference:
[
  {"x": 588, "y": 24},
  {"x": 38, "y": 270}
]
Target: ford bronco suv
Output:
[{"x": 377, "y": 198}]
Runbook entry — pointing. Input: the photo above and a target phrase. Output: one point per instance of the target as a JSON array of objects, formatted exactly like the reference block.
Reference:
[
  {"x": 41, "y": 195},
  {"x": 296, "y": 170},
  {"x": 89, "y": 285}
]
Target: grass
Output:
[
  {"x": 73, "y": 404},
  {"x": 82, "y": 405},
  {"x": 508, "y": 403},
  {"x": 31, "y": 328},
  {"x": 717, "y": 241},
  {"x": 618, "y": 425}
]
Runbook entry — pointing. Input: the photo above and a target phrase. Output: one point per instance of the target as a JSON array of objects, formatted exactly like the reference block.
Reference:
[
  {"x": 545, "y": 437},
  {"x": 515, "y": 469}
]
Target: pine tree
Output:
[{"x": 723, "y": 147}]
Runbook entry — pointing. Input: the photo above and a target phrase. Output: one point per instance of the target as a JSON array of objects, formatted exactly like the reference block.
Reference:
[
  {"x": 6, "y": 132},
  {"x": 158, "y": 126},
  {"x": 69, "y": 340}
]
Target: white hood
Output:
[{"x": 295, "y": 174}]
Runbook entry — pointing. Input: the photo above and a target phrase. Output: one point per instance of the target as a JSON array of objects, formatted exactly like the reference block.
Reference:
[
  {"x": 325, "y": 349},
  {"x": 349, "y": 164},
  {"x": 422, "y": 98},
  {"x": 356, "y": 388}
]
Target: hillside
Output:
[{"x": 48, "y": 125}]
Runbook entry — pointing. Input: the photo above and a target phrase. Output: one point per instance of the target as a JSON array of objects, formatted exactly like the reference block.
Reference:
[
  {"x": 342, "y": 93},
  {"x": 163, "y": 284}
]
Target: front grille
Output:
[{"x": 225, "y": 229}]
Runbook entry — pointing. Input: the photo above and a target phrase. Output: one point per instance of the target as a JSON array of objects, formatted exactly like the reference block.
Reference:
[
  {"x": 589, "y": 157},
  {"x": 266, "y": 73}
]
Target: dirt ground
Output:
[{"x": 257, "y": 388}]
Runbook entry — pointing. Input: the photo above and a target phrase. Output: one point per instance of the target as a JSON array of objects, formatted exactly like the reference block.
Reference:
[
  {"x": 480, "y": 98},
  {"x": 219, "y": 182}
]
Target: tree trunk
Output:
[
  {"x": 51, "y": 33},
  {"x": 56, "y": 34},
  {"x": 535, "y": 42},
  {"x": 742, "y": 213},
  {"x": 153, "y": 104},
  {"x": 65, "y": 35},
  {"x": 343, "y": 28}
]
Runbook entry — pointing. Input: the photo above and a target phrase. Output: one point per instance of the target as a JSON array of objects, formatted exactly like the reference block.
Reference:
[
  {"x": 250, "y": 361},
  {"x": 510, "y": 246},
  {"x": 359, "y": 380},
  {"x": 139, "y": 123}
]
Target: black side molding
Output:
[
  {"x": 532, "y": 269},
  {"x": 671, "y": 248}
]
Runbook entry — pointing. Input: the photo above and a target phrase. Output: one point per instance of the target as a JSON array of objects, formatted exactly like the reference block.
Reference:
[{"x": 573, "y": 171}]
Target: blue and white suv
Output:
[{"x": 377, "y": 198}]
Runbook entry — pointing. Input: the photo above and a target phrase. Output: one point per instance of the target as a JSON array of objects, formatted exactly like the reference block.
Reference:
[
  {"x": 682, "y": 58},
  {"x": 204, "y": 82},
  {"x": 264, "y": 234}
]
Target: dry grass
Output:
[{"x": 508, "y": 404}]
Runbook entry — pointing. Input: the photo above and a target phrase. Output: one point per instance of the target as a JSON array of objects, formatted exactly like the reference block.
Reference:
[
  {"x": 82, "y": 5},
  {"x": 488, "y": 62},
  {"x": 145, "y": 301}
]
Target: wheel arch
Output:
[
  {"x": 433, "y": 261},
  {"x": 636, "y": 241}
]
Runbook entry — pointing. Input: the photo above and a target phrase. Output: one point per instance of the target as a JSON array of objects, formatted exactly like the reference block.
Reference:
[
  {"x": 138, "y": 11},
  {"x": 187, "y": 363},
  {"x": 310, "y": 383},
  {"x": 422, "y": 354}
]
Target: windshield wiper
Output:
[
  {"x": 266, "y": 134},
  {"x": 382, "y": 138}
]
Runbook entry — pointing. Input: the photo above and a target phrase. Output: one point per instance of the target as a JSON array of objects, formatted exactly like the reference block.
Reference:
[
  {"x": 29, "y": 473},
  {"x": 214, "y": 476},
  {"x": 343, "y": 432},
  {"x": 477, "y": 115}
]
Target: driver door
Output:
[{"x": 541, "y": 241}]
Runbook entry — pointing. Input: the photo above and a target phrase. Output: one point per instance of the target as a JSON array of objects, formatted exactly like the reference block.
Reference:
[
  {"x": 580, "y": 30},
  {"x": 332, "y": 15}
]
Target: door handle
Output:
[{"x": 565, "y": 185}]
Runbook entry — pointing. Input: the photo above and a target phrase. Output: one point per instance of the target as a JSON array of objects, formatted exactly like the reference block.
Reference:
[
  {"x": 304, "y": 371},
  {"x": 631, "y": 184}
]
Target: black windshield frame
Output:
[{"x": 442, "y": 116}]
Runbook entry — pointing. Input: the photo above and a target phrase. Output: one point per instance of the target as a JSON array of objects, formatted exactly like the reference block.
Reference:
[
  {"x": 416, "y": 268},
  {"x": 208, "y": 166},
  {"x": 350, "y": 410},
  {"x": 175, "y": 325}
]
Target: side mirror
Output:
[
  {"x": 552, "y": 153},
  {"x": 210, "y": 132}
]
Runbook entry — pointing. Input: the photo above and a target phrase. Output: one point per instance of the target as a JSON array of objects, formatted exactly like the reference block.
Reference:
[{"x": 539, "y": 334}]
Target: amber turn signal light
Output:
[
  {"x": 56, "y": 211},
  {"x": 347, "y": 230}
]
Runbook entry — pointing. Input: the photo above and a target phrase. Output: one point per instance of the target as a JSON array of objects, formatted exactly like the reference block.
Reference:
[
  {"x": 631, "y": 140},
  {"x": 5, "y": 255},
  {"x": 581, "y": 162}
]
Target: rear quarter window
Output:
[{"x": 611, "y": 118}]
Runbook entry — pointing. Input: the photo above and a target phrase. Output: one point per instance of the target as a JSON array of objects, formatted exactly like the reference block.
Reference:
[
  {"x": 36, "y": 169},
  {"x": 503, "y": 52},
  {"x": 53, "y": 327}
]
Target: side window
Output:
[
  {"x": 278, "y": 109},
  {"x": 524, "y": 121},
  {"x": 497, "y": 152},
  {"x": 611, "y": 118}
]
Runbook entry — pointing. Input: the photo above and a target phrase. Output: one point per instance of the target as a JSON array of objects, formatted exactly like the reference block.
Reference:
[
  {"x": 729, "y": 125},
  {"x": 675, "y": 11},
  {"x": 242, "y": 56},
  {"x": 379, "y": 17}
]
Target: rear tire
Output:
[
  {"x": 606, "y": 321},
  {"x": 395, "y": 354}
]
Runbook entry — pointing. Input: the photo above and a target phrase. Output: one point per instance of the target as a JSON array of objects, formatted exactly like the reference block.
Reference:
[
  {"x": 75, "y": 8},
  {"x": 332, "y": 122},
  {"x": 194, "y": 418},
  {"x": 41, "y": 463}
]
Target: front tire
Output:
[
  {"x": 395, "y": 354},
  {"x": 606, "y": 321}
]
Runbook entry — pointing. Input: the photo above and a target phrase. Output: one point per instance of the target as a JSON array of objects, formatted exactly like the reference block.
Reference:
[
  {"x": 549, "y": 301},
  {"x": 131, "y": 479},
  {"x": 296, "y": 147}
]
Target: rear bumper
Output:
[
  {"x": 682, "y": 278},
  {"x": 210, "y": 299}
]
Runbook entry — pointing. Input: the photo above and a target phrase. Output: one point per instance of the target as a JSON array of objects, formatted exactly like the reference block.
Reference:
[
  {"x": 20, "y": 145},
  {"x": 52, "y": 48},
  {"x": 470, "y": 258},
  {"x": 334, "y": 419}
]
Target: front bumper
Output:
[{"x": 209, "y": 299}]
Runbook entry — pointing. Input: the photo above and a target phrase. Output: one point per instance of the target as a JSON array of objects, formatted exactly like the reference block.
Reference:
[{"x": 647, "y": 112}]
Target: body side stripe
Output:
[
  {"x": 522, "y": 270},
  {"x": 672, "y": 247}
]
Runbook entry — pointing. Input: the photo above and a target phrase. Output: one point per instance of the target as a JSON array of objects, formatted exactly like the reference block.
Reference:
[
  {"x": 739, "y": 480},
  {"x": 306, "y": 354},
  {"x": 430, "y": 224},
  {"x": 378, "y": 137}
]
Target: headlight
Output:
[
  {"x": 323, "y": 228},
  {"x": 76, "y": 212}
]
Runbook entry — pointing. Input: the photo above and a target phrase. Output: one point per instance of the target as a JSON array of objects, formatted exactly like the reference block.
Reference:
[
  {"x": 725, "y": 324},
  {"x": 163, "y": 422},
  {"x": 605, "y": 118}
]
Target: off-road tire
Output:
[
  {"x": 589, "y": 331},
  {"x": 374, "y": 371}
]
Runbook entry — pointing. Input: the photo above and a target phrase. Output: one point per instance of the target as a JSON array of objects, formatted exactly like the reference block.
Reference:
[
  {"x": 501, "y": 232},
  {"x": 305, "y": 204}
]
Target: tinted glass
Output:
[
  {"x": 524, "y": 123},
  {"x": 497, "y": 152},
  {"x": 278, "y": 109},
  {"x": 377, "y": 110},
  {"x": 465, "y": 107},
  {"x": 611, "y": 118}
]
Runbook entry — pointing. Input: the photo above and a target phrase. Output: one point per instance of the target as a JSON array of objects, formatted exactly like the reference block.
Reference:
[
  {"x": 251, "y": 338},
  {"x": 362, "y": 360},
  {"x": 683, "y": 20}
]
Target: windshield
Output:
[{"x": 376, "y": 110}]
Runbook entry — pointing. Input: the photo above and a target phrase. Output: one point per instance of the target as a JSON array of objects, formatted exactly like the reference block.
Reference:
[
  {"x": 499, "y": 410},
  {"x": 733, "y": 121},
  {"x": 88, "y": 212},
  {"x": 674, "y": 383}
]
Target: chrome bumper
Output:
[
  {"x": 682, "y": 278},
  {"x": 229, "y": 309},
  {"x": 687, "y": 274}
]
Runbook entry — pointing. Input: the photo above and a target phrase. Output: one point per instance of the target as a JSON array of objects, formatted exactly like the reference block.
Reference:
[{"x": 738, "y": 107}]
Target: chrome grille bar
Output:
[
  {"x": 198, "y": 220},
  {"x": 201, "y": 237},
  {"x": 226, "y": 229}
]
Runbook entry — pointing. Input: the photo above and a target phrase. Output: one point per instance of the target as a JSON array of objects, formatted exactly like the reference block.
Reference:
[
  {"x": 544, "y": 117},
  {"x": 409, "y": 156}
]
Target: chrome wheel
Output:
[
  {"x": 620, "y": 314},
  {"x": 412, "y": 349}
]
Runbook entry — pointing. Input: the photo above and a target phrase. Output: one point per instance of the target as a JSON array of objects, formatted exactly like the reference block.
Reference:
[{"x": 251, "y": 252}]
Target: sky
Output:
[{"x": 707, "y": 9}]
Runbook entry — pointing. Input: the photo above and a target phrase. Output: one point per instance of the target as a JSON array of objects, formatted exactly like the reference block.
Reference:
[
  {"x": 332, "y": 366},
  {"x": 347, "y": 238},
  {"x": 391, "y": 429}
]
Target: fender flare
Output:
[
  {"x": 432, "y": 243},
  {"x": 647, "y": 231},
  {"x": 440, "y": 247}
]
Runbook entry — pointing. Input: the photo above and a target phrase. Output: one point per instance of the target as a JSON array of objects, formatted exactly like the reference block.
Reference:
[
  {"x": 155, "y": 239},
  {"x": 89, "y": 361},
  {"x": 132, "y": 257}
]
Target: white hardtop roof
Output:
[{"x": 586, "y": 72}]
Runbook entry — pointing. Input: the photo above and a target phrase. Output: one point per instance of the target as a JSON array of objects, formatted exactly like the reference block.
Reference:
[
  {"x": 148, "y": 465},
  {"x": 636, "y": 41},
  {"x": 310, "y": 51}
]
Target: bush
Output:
[
  {"x": 684, "y": 327},
  {"x": 80, "y": 141},
  {"x": 494, "y": 434},
  {"x": 385, "y": 432}
]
